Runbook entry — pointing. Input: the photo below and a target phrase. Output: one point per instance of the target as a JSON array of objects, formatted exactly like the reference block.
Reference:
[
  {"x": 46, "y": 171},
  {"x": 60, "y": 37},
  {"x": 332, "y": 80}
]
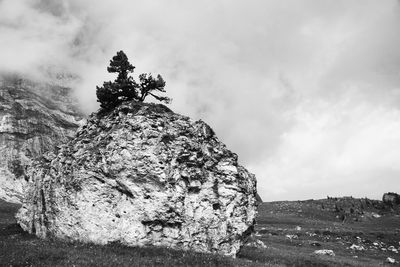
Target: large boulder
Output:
[
  {"x": 391, "y": 199},
  {"x": 143, "y": 175}
]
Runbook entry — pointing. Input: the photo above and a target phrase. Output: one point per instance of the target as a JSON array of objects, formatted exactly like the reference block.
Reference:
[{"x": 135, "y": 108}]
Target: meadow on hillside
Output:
[{"x": 286, "y": 234}]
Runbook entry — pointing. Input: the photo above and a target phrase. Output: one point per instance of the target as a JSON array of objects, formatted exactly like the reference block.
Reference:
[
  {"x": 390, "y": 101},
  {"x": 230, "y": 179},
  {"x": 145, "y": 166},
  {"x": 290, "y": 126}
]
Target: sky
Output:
[{"x": 306, "y": 92}]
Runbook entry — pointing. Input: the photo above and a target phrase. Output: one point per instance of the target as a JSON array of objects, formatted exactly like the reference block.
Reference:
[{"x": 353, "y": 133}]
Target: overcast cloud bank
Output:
[{"x": 306, "y": 92}]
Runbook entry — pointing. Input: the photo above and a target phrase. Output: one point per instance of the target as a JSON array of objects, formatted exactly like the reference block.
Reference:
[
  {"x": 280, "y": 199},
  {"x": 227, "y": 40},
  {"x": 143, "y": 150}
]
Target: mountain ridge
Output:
[{"x": 34, "y": 118}]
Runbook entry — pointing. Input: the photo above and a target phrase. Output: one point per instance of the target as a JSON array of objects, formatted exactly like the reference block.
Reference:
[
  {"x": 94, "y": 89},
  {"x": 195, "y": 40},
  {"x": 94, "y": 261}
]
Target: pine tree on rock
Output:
[
  {"x": 149, "y": 84},
  {"x": 125, "y": 87}
]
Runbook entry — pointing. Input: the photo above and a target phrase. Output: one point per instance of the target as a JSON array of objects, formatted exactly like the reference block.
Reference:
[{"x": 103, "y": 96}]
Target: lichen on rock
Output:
[{"x": 143, "y": 175}]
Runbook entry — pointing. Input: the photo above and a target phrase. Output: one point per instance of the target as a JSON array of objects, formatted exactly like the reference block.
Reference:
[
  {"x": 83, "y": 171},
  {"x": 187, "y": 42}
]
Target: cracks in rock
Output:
[
  {"x": 167, "y": 139},
  {"x": 216, "y": 206},
  {"x": 157, "y": 223},
  {"x": 149, "y": 178},
  {"x": 124, "y": 189},
  {"x": 43, "y": 201},
  {"x": 44, "y": 209},
  {"x": 101, "y": 180},
  {"x": 194, "y": 190}
]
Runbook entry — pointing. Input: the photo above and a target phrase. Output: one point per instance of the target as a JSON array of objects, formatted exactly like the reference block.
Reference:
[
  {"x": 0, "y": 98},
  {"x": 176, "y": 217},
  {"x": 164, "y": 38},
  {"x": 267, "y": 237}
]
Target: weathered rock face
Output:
[
  {"x": 143, "y": 175},
  {"x": 33, "y": 119}
]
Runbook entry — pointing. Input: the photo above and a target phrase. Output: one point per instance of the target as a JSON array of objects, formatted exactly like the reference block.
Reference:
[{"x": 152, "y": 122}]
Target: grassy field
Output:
[
  {"x": 287, "y": 234},
  {"x": 292, "y": 231}
]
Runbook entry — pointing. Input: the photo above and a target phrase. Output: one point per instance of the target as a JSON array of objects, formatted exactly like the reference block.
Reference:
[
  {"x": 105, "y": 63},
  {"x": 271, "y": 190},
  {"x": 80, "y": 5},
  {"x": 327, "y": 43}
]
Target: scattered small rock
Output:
[
  {"x": 357, "y": 247},
  {"x": 328, "y": 252},
  {"x": 392, "y": 249},
  {"x": 257, "y": 243},
  {"x": 292, "y": 237},
  {"x": 315, "y": 244},
  {"x": 390, "y": 260},
  {"x": 311, "y": 234}
]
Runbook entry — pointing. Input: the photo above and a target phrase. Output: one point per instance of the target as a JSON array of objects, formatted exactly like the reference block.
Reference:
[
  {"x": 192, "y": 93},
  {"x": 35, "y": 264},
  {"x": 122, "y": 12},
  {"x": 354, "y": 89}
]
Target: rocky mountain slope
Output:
[
  {"x": 34, "y": 118},
  {"x": 143, "y": 175}
]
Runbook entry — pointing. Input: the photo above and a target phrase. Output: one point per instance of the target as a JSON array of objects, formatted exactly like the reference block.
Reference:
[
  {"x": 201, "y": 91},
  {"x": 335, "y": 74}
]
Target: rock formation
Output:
[
  {"x": 143, "y": 175},
  {"x": 34, "y": 117},
  {"x": 391, "y": 199}
]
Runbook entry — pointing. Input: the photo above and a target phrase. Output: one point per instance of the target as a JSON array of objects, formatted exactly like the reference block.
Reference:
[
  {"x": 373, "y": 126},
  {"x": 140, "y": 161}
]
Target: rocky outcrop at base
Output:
[
  {"x": 391, "y": 199},
  {"x": 143, "y": 175},
  {"x": 34, "y": 118}
]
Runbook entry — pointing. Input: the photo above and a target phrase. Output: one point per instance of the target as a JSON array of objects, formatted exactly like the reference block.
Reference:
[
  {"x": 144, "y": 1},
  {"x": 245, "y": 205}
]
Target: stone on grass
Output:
[
  {"x": 327, "y": 252},
  {"x": 142, "y": 175},
  {"x": 376, "y": 215},
  {"x": 390, "y": 260},
  {"x": 292, "y": 236},
  {"x": 315, "y": 244},
  {"x": 257, "y": 244},
  {"x": 357, "y": 247}
]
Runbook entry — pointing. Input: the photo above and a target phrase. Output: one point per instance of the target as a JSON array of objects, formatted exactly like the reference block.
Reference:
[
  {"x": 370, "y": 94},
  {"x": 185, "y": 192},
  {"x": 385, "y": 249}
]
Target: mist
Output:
[{"x": 307, "y": 92}]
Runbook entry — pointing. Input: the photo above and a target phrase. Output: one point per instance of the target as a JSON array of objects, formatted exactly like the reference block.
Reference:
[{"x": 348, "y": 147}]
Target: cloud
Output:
[
  {"x": 335, "y": 149},
  {"x": 306, "y": 92},
  {"x": 33, "y": 39}
]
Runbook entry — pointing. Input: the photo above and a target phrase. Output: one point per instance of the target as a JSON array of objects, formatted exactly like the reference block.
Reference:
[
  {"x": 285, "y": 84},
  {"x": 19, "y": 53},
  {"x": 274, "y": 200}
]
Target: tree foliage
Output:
[{"x": 125, "y": 87}]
